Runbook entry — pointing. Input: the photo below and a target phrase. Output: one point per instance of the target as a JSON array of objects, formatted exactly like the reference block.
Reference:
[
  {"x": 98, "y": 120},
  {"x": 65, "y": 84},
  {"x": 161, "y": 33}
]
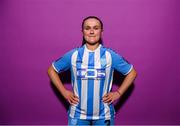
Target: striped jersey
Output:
[{"x": 91, "y": 78}]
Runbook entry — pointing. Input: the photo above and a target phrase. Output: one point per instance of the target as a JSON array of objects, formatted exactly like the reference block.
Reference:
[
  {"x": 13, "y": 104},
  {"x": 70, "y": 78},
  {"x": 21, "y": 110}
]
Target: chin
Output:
[{"x": 92, "y": 43}]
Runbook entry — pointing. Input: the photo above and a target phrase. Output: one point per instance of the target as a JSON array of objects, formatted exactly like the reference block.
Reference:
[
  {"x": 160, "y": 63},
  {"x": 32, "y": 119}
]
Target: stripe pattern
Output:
[
  {"x": 92, "y": 76},
  {"x": 90, "y": 89}
]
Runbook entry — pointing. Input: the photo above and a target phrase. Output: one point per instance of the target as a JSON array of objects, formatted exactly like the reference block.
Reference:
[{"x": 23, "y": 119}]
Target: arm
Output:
[
  {"x": 127, "y": 81},
  {"x": 112, "y": 96},
  {"x": 68, "y": 95}
]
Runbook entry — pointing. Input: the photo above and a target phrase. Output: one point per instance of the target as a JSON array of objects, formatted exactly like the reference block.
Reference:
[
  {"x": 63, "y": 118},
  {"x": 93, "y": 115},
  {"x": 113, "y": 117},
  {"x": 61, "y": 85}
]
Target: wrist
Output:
[{"x": 119, "y": 92}]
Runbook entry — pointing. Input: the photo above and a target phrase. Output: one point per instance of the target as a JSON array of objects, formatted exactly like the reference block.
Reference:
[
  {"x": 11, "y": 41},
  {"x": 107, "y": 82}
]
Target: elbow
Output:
[
  {"x": 134, "y": 73},
  {"x": 49, "y": 71}
]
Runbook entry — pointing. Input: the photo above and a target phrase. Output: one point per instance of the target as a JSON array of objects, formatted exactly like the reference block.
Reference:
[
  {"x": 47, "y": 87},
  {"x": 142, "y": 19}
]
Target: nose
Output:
[{"x": 91, "y": 31}]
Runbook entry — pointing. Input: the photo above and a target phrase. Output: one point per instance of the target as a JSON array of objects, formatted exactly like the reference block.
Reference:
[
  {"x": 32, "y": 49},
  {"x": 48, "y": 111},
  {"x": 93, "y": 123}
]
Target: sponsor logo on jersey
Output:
[{"x": 91, "y": 73}]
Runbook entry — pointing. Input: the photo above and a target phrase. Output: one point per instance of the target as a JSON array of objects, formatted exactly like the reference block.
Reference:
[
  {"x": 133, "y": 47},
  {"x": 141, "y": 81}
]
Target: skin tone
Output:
[{"x": 92, "y": 32}]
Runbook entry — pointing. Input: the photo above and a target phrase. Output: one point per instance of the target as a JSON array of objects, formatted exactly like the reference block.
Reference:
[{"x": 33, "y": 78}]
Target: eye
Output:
[
  {"x": 87, "y": 28},
  {"x": 96, "y": 28}
]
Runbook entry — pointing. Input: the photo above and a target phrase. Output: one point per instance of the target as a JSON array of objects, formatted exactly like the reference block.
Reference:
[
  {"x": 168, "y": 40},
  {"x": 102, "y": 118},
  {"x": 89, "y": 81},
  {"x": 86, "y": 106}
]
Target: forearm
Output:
[
  {"x": 56, "y": 80},
  {"x": 127, "y": 82}
]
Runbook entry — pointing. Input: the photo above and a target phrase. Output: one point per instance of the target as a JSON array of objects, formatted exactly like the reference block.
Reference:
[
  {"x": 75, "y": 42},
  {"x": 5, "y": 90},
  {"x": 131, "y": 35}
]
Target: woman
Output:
[{"x": 92, "y": 67}]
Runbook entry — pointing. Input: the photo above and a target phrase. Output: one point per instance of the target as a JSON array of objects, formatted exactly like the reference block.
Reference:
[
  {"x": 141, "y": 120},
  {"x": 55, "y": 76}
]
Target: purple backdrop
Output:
[{"x": 36, "y": 32}]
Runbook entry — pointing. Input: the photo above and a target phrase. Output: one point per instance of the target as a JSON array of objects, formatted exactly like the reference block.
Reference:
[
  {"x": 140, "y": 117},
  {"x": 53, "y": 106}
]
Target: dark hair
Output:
[{"x": 82, "y": 26}]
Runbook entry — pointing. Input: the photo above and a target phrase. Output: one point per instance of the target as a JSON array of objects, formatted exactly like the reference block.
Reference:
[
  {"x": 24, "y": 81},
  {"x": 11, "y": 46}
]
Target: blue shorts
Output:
[{"x": 76, "y": 122}]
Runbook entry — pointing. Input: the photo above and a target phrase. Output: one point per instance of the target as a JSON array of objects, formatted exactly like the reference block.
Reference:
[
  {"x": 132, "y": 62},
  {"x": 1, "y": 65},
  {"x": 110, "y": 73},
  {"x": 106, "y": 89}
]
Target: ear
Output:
[
  {"x": 101, "y": 31},
  {"x": 82, "y": 30}
]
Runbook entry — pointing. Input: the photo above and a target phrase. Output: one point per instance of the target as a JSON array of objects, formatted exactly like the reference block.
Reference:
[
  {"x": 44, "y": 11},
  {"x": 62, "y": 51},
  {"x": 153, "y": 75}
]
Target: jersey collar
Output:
[{"x": 92, "y": 50}]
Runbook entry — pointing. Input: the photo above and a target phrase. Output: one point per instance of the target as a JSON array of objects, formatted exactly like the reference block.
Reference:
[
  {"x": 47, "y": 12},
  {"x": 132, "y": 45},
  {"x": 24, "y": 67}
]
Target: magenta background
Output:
[{"x": 33, "y": 33}]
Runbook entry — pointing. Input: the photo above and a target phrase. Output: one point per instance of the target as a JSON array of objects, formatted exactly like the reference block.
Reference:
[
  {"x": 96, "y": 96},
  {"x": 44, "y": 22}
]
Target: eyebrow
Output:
[{"x": 92, "y": 26}]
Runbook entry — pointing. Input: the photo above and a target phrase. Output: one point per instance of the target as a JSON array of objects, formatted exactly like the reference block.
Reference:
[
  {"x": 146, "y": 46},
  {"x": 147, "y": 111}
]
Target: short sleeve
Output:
[
  {"x": 63, "y": 63},
  {"x": 120, "y": 64}
]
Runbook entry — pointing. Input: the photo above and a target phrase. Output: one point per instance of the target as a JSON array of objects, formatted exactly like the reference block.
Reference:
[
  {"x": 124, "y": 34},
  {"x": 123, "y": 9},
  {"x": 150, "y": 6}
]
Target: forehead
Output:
[{"x": 92, "y": 22}]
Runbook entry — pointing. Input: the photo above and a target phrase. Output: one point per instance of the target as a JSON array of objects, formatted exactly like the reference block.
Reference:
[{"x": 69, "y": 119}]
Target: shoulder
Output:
[
  {"x": 74, "y": 52},
  {"x": 112, "y": 51},
  {"x": 70, "y": 52}
]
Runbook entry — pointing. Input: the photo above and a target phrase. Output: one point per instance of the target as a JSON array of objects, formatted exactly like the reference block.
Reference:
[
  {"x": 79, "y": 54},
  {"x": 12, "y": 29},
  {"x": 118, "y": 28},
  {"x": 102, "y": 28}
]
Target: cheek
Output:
[
  {"x": 85, "y": 31},
  {"x": 98, "y": 34}
]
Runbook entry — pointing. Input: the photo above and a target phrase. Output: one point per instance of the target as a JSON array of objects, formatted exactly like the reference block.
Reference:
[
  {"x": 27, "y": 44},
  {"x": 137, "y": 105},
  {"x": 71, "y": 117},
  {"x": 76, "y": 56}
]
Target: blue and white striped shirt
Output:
[{"x": 92, "y": 75}]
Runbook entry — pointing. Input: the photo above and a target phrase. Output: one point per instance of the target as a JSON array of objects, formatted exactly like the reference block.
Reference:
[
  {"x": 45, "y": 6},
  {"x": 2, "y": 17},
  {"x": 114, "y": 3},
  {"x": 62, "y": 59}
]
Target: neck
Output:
[{"x": 92, "y": 47}]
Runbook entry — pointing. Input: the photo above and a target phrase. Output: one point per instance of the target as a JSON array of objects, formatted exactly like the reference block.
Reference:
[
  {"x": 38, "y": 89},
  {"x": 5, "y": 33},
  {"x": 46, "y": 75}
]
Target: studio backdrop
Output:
[{"x": 33, "y": 33}]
